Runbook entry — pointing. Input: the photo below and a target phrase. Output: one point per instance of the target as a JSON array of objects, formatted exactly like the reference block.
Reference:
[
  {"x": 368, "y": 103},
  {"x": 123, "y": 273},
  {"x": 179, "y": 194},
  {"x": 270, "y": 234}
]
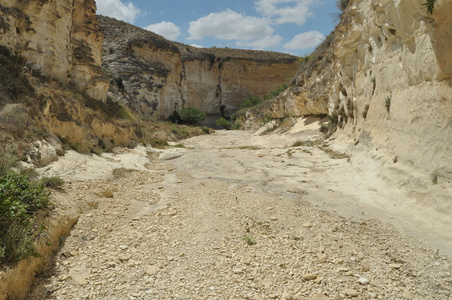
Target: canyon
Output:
[
  {"x": 160, "y": 76},
  {"x": 371, "y": 197}
]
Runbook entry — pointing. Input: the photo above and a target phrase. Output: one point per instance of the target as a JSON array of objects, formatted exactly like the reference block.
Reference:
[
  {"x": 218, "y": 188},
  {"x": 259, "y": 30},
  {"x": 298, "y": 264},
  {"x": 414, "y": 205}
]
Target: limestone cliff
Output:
[
  {"x": 160, "y": 76},
  {"x": 386, "y": 81},
  {"x": 60, "y": 39}
]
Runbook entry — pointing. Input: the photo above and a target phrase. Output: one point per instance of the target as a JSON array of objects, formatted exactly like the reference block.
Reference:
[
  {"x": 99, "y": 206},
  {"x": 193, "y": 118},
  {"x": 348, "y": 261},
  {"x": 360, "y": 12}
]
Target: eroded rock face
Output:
[
  {"x": 388, "y": 79},
  {"x": 160, "y": 76},
  {"x": 60, "y": 39}
]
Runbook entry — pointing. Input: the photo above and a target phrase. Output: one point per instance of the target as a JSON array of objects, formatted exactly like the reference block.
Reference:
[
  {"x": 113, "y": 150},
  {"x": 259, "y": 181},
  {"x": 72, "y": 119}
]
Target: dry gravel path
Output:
[{"x": 239, "y": 216}]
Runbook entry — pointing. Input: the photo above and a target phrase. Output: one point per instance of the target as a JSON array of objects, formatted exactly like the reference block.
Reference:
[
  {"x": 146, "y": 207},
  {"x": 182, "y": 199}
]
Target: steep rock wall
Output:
[
  {"x": 387, "y": 81},
  {"x": 60, "y": 39},
  {"x": 160, "y": 76}
]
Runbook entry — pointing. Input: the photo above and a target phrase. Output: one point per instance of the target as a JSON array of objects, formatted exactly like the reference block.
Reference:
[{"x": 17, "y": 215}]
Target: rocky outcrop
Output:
[
  {"x": 157, "y": 76},
  {"x": 387, "y": 82},
  {"x": 60, "y": 39}
]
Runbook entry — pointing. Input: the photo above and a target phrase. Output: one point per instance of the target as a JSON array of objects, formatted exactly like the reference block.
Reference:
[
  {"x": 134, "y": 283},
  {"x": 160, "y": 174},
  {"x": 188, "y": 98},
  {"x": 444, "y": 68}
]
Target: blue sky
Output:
[{"x": 291, "y": 26}]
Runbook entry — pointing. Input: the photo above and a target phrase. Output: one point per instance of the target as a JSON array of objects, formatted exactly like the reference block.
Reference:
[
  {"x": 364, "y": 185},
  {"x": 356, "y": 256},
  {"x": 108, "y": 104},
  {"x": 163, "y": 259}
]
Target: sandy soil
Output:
[{"x": 239, "y": 215}]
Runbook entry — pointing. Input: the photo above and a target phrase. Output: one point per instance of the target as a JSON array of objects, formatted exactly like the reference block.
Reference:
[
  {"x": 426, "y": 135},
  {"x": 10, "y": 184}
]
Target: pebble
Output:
[
  {"x": 287, "y": 296},
  {"x": 395, "y": 266},
  {"x": 322, "y": 257},
  {"x": 309, "y": 277},
  {"x": 351, "y": 293},
  {"x": 407, "y": 295},
  {"x": 152, "y": 270},
  {"x": 363, "y": 280},
  {"x": 200, "y": 253}
]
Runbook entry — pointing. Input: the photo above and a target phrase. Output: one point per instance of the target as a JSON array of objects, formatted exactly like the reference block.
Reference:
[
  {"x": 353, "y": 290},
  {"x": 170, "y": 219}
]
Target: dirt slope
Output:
[{"x": 237, "y": 215}]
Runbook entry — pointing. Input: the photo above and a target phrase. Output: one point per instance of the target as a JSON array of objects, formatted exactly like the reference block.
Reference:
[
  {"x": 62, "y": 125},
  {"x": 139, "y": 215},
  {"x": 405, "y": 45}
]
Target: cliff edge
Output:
[
  {"x": 157, "y": 76},
  {"x": 59, "y": 39}
]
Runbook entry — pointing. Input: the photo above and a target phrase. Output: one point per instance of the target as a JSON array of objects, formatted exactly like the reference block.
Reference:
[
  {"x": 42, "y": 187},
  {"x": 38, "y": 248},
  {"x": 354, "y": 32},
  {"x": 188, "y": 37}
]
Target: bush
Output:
[
  {"x": 223, "y": 123},
  {"x": 252, "y": 101},
  {"x": 52, "y": 182},
  {"x": 192, "y": 116},
  {"x": 255, "y": 100},
  {"x": 20, "y": 200},
  {"x": 175, "y": 118},
  {"x": 430, "y": 5}
]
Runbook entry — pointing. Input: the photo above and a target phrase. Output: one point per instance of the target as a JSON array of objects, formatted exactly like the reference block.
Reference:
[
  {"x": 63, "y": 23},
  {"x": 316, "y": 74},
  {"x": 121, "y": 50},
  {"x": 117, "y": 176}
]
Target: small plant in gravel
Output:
[
  {"x": 249, "y": 240},
  {"x": 365, "y": 111},
  {"x": 388, "y": 103}
]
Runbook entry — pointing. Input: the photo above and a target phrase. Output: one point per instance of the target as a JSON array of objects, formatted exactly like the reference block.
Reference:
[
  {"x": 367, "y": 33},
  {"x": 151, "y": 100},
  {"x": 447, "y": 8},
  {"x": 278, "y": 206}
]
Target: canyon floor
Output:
[{"x": 240, "y": 215}]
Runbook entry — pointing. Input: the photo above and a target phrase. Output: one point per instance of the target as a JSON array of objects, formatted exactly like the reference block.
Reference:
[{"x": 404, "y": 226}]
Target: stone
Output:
[
  {"x": 124, "y": 258},
  {"x": 309, "y": 277},
  {"x": 407, "y": 295},
  {"x": 151, "y": 270},
  {"x": 287, "y": 296},
  {"x": 63, "y": 59},
  {"x": 395, "y": 266},
  {"x": 322, "y": 257},
  {"x": 363, "y": 280},
  {"x": 351, "y": 292}
]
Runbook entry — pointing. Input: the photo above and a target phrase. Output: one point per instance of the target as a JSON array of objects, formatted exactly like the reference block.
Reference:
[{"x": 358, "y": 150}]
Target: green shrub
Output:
[
  {"x": 223, "y": 123},
  {"x": 205, "y": 129},
  {"x": 430, "y": 5},
  {"x": 20, "y": 200},
  {"x": 278, "y": 91},
  {"x": 52, "y": 182},
  {"x": 252, "y": 101},
  {"x": 192, "y": 116},
  {"x": 175, "y": 117},
  {"x": 255, "y": 100}
]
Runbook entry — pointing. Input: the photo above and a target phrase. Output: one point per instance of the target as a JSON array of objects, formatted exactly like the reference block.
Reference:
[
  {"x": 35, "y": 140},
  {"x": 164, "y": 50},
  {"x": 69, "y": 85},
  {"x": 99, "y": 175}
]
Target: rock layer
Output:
[
  {"x": 60, "y": 39},
  {"x": 386, "y": 81},
  {"x": 160, "y": 76}
]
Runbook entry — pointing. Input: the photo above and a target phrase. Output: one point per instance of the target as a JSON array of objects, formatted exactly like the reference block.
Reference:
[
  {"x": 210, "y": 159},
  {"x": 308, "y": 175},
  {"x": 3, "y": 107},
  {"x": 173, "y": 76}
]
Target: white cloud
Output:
[
  {"x": 229, "y": 25},
  {"x": 267, "y": 42},
  {"x": 118, "y": 10},
  {"x": 196, "y": 46},
  {"x": 166, "y": 29},
  {"x": 305, "y": 40},
  {"x": 285, "y": 11}
]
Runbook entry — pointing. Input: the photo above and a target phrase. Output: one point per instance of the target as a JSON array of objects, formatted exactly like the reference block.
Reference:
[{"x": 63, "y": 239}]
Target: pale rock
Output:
[
  {"x": 351, "y": 292},
  {"x": 309, "y": 277},
  {"x": 395, "y": 266},
  {"x": 407, "y": 295},
  {"x": 322, "y": 257},
  {"x": 287, "y": 295},
  {"x": 68, "y": 31}
]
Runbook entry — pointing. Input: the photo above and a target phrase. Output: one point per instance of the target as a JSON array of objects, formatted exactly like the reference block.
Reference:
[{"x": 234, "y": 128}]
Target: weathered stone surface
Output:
[
  {"x": 60, "y": 39},
  {"x": 386, "y": 81},
  {"x": 160, "y": 76}
]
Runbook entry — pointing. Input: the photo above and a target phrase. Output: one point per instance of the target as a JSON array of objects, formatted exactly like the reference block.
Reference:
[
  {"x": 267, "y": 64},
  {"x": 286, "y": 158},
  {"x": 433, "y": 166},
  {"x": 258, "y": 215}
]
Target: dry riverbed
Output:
[{"x": 238, "y": 215}]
